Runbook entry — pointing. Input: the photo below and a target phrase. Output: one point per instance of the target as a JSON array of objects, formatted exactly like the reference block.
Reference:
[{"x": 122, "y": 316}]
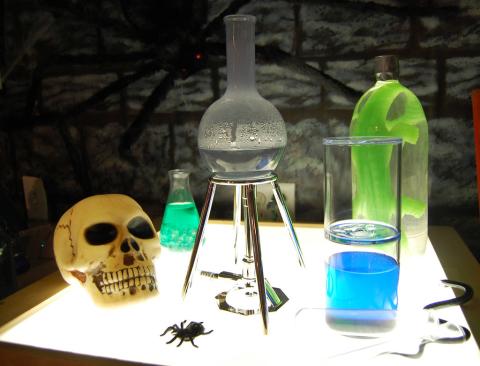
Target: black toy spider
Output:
[{"x": 192, "y": 331}]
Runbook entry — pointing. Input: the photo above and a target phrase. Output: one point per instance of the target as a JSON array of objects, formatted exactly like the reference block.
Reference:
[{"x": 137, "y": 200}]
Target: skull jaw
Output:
[{"x": 105, "y": 289}]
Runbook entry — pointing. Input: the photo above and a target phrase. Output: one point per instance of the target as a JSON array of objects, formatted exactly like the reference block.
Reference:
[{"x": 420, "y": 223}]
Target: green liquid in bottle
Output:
[
  {"x": 390, "y": 109},
  {"x": 179, "y": 226}
]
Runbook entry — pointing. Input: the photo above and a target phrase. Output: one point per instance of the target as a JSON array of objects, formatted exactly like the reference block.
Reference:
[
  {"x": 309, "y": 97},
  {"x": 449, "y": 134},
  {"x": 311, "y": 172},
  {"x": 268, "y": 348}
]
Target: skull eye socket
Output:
[
  {"x": 141, "y": 228},
  {"x": 99, "y": 234}
]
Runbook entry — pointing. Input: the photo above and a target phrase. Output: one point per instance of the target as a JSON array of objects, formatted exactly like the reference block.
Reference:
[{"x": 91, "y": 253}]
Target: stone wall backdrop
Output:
[{"x": 106, "y": 96}]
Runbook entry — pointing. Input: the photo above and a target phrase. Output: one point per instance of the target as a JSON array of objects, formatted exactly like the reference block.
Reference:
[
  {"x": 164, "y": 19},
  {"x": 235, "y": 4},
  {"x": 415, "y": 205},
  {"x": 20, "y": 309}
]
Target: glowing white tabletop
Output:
[{"x": 69, "y": 322}]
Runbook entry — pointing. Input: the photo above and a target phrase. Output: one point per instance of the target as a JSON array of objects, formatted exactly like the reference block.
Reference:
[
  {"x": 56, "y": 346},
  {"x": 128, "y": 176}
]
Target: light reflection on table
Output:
[{"x": 69, "y": 321}]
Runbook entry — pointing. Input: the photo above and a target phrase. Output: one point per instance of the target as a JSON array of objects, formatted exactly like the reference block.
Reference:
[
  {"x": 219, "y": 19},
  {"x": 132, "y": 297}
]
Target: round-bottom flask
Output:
[{"x": 241, "y": 135}]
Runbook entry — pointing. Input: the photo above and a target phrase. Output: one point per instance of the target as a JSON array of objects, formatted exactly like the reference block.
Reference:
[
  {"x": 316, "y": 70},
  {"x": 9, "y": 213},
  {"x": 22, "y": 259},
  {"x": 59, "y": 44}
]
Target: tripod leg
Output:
[
  {"x": 199, "y": 237},
  {"x": 237, "y": 213},
  {"x": 287, "y": 220},
  {"x": 255, "y": 239},
  {"x": 248, "y": 261}
]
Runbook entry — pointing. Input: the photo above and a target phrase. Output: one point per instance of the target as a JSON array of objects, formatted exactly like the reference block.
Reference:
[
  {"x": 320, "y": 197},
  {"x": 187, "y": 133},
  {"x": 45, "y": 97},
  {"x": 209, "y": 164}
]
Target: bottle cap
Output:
[{"x": 386, "y": 67}]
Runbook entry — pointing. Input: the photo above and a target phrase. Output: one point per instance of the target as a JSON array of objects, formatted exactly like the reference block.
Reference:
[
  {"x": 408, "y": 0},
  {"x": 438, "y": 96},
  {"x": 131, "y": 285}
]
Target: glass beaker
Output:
[
  {"x": 180, "y": 219},
  {"x": 241, "y": 135},
  {"x": 362, "y": 226}
]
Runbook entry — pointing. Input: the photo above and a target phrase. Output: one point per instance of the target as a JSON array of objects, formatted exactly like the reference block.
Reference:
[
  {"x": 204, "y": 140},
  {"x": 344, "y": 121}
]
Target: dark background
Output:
[{"x": 106, "y": 96}]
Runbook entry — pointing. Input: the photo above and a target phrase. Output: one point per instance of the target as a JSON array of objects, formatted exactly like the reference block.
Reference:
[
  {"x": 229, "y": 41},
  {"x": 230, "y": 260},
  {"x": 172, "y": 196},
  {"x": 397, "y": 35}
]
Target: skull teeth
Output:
[{"x": 141, "y": 277}]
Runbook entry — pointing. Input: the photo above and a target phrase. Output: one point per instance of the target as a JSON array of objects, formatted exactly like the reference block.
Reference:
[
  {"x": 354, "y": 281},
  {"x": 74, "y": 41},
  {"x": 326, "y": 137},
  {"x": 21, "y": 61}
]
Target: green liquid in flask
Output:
[{"x": 179, "y": 226}]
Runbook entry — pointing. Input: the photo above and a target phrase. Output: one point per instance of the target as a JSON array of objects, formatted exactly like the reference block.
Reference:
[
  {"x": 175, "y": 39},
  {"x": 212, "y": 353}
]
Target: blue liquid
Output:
[
  {"x": 362, "y": 292},
  {"x": 362, "y": 281},
  {"x": 179, "y": 226}
]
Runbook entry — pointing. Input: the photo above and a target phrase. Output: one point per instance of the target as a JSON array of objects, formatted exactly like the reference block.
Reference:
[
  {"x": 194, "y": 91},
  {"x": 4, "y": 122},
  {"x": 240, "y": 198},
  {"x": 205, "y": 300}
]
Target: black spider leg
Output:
[
  {"x": 181, "y": 341},
  {"x": 171, "y": 340},
  {"x": 210, "y": 331},
  {"x": 173, "y": 328},
  {"x": 191, "y": 341},
  {"x": 460, "y": 300},
  {"x": 182, "y": 323}
]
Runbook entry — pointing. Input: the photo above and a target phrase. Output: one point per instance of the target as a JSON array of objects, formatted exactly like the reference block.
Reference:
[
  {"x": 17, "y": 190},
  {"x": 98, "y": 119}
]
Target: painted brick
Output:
[
  {"x": 59, "y": 93},
  {"x": 337, "y": 29},
  {"x": 192, "y": 94},
  {"x": 451, "y": 31},
  {"x": 452, "y": 161},
  {"x": 463, "y": 75},
  {"x": 274, "y": 25}
]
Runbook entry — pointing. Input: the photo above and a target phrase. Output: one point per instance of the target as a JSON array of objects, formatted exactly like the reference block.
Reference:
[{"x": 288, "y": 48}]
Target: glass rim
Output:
[
  {"x": 179, "y": 171},
  {"x": 362, "y": 140},
  {"x": 239, "y": 18}
]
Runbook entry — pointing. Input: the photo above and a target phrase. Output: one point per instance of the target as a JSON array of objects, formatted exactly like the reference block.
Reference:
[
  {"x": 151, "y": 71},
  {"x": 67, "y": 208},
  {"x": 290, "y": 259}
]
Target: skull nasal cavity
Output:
[{"x": 129, "y": 243}]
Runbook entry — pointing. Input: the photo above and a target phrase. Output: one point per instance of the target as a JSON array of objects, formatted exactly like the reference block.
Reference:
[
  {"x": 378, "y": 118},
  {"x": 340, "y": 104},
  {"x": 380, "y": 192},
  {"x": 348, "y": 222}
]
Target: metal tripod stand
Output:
[{"x": 252, "y": 273}]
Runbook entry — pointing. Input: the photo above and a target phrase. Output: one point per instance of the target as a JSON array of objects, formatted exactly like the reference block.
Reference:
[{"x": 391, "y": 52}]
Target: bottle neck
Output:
[
  {"x": 386, "y": 68},
  {"x": 240, "y": 37},
  {"x": 386, "y": 77},
  {"x": 381, "y": 82}
]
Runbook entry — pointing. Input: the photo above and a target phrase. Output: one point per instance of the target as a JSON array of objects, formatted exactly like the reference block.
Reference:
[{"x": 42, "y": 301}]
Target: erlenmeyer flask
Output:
[
  {"x": 241, "y": 135},
  {"x": 180, "y": 219}
]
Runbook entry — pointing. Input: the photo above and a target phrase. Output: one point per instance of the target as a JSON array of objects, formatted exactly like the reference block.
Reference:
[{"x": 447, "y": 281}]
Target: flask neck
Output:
[
  {"x": 179, "y": 186},
  {"x": 240, "y": 37}
]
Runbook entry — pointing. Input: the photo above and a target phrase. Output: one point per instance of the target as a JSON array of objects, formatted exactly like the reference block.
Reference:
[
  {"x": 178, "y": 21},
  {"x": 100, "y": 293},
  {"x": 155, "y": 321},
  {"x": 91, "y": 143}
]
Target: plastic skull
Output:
[{"x": 106, "y": 244}]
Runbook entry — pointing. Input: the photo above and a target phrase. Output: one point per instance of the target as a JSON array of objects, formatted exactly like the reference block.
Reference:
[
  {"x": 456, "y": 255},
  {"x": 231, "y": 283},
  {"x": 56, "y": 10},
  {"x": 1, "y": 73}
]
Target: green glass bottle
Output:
[
  {"x": 391, "y": 109},
  {"x": 180, "y": 219}
]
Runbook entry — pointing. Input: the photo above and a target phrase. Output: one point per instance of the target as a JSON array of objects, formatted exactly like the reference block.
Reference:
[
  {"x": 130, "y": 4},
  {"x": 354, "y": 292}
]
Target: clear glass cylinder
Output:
[
  {"x": 362, "y": 224},
  {"x": 390, "y": 109},
  {"x": 180, "y": 219},
  {"x": 241, "y": 135}
]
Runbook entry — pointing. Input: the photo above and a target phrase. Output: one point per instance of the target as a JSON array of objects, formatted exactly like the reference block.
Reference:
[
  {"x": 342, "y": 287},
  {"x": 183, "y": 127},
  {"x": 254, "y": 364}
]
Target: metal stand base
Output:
[
  {"x": 245, "y": 300},
  {"x": 251, "y": 285}
]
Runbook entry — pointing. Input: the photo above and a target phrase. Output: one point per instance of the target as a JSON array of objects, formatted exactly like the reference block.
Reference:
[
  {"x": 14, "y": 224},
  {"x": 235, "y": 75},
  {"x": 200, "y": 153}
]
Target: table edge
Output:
[{"x": 459, "y": 264}]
